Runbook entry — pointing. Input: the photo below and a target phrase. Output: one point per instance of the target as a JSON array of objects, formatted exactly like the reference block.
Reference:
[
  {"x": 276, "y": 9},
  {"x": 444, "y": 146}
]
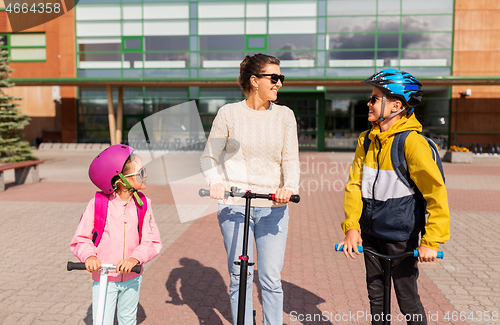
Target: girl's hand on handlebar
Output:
[
  {"x": 125, "y": 266},
  {"x": 351, "y": 242},
  {"x": 217, "y": 192},
  {"x": 282, "y": 196},
  {"x": 92, "y": 264},
  {"x": 426, "y": 254}
]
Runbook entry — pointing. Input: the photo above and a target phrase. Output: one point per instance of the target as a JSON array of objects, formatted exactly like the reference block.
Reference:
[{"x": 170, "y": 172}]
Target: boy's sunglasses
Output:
[
  {"x": 373, "y": 99},
  {"x": 274, "y": 77},
  {"x": 141, "y": 173}
]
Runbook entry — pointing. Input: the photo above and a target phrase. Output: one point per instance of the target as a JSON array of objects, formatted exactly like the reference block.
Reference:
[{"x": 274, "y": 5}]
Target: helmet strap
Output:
[
  {"x": 129, "y": 187},
  {"x": 382, "y": 107}
]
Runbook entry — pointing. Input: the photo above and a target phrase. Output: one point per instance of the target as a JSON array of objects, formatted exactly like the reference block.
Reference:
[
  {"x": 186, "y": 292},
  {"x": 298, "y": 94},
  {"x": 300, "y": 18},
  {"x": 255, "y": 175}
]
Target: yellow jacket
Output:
[{"x": 378, "y": 202}]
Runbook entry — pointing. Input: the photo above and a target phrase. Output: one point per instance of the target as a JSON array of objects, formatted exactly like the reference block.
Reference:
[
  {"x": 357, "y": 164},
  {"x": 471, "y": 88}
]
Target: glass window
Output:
[
  {"x": 351, "y": 55},
  {"x": 100, "y": 56},
  {"x": 427, "y": 23},
  {"x": 98, "y": 28},
  {"x": 27, "y": 39},
  {"x": 292, "y": 26},
  {"x": 98, "y": 12},
  {"x": 256, "y": 42},
  {"x": 20, "y": 54},
  {"x": 155, "y": 92},
  {"x": 221, "y": 59},
  {"x": 166, "y": 10},
  {"x": 176, "y": 59},
  {"x": 292, "y": 9},
  {"x": 211, "y": 92},
  {"x": 221, "y": 27},
  {"x": 166, "y": 27},
  {"x": 443, "y": 55},
  {"x": 221, "y": 10},
  {"x": 94, "y": 106},
  {"x": 352, "y": 41},
  {"x": 303, "y": 59},
  {"x": 100, "y": 47},
  {"x": 256, "y": 26},
  {"x": 292, "y": 42},
  {"x": 388, "y": 23},
  {"x": 132, "y": 28},
  {"x": 167, "y": 43},
  {"x": 412, "y": 7},
  {"x": 351, "y": 24},
  {"x": 133, "y": 106},
  {"x": 256, "y": 9},
  {"x": 351, "y": 7},
  {"x": 389, "y": 7},
  {"x": 4, "y": 39},
  {"x": 426, "y": 40},
  {"x": 132, "y": 44},
  {"x": 222, "y": 43},
  {"x": 388, "y": 40},
  {"x": 132, "y": 11},
  {"x": 157, "y": 104},
  {"x": 386, "y": 57}
]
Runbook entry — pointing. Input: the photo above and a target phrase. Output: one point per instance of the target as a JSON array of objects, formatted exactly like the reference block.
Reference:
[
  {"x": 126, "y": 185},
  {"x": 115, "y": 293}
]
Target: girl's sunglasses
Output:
[
  {"x": 141, "y": 173},
  {"x": 373, "y": 99},
  {"x": 274, "y": 77}
]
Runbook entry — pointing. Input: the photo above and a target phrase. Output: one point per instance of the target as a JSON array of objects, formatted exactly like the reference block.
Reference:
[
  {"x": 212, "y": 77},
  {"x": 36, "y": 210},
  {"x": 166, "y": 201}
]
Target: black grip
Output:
[
  {"x": 137, "y": 269},
  {"x": 203, "y": 192},
  {"x": 295, "y": 198},
  {"x": 75, "y": 266}
]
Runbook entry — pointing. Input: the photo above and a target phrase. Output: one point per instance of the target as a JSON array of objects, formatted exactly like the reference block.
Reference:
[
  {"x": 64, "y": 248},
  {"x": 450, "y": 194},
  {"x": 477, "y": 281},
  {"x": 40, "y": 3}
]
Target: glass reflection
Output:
[
  {"x": 351, "y": 24},
  {"x": 352, "y": 41},
  {"x": 292, "y": 42},
  {"x": 388, "y": 40},
  {"x": 222, "y": 43},
  {"x": 166, "y": 43},
  {"x": 351, "y": 7},
  {"x": 427, "y": 23}
]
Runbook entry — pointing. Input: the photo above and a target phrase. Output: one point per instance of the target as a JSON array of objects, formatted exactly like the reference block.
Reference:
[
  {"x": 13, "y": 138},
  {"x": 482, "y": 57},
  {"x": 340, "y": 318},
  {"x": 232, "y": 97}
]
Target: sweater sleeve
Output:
[
  {"x": 290, "y": 156},
  {"x": 150, "y": 245},
  {"x": 81, "y": 245},
  {"x": 427, "y": 177},
  {"x": 353, "y": 204},
  {"x": 209, "y": 161}
]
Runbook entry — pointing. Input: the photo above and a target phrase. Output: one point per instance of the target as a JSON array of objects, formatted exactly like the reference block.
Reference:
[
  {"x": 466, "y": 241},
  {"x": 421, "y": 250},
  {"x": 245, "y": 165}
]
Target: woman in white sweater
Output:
[{"x": 255, "y": 144}]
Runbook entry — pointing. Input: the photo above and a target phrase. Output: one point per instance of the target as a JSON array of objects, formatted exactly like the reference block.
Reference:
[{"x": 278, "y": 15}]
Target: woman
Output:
[{"x": 260, "y": 138}]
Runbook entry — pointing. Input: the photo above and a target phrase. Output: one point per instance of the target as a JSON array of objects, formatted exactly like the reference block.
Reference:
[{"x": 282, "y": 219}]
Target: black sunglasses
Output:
[
  {"x": 373, "y": 99},
  {"x": 274, "y": 77}
]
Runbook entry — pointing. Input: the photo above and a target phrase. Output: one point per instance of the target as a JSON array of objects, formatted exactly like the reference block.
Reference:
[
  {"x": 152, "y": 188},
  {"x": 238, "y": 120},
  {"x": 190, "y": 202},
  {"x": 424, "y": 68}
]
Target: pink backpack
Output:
[{"x": 101, "y": 211}]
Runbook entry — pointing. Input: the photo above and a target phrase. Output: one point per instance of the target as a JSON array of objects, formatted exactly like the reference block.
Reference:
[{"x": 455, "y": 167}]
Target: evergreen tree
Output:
[{"x": 12, "y": 120}]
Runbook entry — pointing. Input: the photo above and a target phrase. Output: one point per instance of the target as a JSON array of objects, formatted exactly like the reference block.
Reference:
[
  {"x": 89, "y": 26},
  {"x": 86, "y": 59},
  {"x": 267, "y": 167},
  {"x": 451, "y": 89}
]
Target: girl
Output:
[
  {"x": 119, "y": 174},
  {"x": 261, "y": 139}
]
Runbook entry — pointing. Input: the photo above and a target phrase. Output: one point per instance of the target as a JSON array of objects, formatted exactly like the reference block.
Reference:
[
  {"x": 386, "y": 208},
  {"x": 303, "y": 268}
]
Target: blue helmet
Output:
[{"x": 398, "y": 83}]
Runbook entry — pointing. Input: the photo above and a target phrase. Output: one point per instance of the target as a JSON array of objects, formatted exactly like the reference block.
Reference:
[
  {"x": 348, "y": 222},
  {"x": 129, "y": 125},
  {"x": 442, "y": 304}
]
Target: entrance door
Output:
[{"x": 309, "y": 109}]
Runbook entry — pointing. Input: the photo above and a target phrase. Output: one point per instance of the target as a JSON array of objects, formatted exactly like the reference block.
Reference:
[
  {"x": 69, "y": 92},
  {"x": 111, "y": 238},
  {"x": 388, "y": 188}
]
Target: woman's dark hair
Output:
[{"x": 253, "y": 65}]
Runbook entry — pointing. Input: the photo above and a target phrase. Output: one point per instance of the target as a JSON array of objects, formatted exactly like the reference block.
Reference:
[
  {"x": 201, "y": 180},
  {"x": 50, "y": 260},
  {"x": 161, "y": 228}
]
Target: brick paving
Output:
[{"x": 188, "y": 282}]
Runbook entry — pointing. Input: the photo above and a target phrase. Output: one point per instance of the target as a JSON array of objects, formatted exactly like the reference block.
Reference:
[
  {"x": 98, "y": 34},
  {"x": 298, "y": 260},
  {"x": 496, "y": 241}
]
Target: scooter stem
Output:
[{"x": 244, "y": 265}]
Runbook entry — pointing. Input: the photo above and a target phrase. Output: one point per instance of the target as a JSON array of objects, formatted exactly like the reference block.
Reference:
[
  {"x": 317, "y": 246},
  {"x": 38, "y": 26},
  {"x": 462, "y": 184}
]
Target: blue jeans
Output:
[
  {"x": 269, "y": 227},
  {"x": 128, "y": 298}
]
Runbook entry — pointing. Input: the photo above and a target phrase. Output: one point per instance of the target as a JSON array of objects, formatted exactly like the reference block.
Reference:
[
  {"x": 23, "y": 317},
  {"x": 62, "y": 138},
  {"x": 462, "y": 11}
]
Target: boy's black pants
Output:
[{"x": 404, "y": 278}]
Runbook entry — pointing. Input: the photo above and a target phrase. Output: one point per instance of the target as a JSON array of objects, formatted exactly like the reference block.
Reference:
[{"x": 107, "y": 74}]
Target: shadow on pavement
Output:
[
  {"x": 201, "y": 288},
  {"x": 141, "y": 316}
]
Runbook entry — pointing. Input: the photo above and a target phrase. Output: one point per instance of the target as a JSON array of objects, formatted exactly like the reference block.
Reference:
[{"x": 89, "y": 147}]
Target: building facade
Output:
[{"x": 326, "y": 48}]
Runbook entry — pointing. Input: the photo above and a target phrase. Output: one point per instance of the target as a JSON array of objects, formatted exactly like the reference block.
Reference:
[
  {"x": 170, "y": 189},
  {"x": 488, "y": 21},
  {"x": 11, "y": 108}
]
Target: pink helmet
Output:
[{"x": 107, "y": 165}]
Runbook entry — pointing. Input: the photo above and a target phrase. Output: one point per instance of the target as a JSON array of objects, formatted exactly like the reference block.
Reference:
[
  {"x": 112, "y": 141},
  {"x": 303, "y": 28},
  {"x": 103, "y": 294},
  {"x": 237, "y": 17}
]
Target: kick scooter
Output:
[
  {"x": 103, "y": 284},
  {"x": 243, "y": 263},
  {"x": 387, "y": 269}
]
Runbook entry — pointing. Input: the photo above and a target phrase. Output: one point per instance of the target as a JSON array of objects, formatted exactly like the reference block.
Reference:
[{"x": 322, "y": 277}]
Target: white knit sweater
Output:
[{"x": 253, "y": 150}]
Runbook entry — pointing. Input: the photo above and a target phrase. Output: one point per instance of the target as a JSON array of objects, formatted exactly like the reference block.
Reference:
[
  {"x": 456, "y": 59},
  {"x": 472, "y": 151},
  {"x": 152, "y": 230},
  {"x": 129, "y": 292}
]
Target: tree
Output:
[{"x": 12, "y": 120}]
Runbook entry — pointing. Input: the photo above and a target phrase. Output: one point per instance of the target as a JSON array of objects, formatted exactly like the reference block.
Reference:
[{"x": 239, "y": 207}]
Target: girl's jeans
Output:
[
  {"x": 128, "y": 298},
  {"x": 269, "y": 227}
]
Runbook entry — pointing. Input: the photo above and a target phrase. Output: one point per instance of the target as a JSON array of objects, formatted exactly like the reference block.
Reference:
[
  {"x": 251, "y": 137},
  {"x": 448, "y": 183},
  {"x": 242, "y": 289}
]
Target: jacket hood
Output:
[{"x": 406, "y": 123}]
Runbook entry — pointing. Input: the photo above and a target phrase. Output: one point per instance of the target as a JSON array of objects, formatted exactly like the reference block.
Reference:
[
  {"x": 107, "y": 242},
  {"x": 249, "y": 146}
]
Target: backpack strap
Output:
[
  {"x": 399, "y": 160},
  {"x": 367, "y": 142},
  {"x": 100, "y": 213},
  {"x": 141, "y": 212}
]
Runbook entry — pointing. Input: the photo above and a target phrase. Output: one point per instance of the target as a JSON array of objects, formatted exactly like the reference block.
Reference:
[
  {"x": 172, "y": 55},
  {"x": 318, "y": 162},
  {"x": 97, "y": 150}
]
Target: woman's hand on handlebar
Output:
[
  {"x": 426, "y": 254},
  {"x": 92, "y": 264},
  {"x": 351, "y": 242},
  {"x": 217, "y": 192},
  {"x": 282, "y": 196}
]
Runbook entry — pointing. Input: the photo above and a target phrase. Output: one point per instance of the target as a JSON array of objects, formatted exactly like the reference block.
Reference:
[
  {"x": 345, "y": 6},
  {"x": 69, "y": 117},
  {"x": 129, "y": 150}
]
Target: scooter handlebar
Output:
[
  {"x": 81, "y": 266},
  {"x": 294, "y": 198},
  {"x": 340, "y": 248}
]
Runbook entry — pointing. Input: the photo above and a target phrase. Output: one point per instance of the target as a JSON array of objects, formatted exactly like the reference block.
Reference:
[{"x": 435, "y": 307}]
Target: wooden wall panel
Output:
[{"x": 477, "y": 4}]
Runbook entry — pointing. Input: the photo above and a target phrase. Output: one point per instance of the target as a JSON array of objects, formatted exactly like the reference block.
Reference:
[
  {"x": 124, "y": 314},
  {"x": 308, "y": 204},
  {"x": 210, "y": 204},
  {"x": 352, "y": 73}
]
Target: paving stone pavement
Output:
[{"x": 187, "y": 283}]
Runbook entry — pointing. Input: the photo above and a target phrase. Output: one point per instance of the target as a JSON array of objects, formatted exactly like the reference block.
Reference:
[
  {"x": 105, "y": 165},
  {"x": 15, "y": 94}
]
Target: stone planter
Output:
[{"x": 458, "y": 157}]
